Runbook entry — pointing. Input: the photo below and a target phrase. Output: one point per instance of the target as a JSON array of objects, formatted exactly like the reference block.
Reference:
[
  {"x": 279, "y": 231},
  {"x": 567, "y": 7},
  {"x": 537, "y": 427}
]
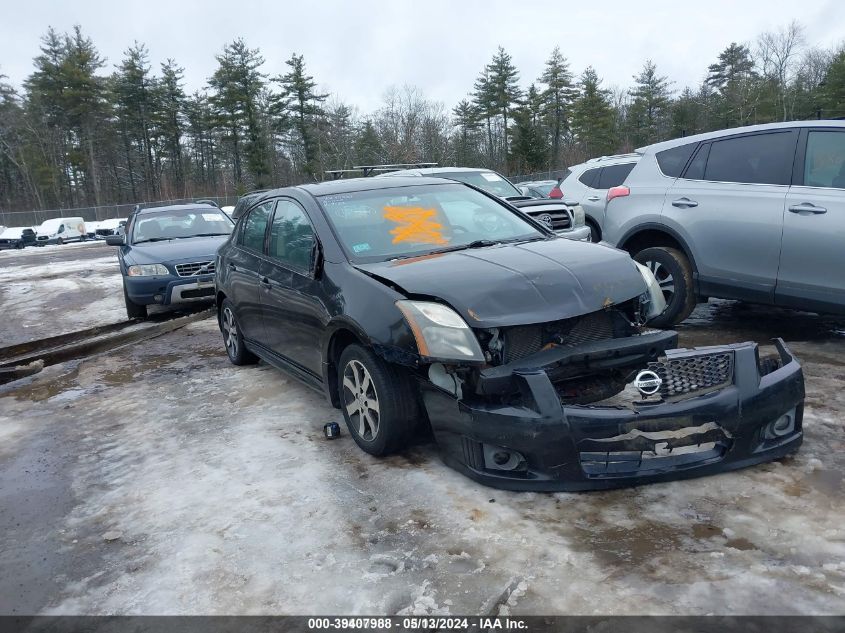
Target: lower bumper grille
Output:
[
  {"x": 198, "y": 292},
  {"x": 629, "y": 462}
]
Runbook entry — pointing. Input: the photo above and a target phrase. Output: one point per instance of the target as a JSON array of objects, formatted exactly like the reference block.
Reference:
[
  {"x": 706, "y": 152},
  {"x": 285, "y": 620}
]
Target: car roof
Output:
[
  {"x": 534, "y": 183},
  {"x": 176, "y": 207},
  {"x": 656, "y": 147},
  {"x": 430, "y": 171},
  {"x": 349, "y": 185}
]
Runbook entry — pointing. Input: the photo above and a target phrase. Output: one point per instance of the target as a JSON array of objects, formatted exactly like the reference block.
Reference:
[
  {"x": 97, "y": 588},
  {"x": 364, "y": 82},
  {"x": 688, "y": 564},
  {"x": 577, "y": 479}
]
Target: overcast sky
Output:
[{"x": 357, "y": 49}]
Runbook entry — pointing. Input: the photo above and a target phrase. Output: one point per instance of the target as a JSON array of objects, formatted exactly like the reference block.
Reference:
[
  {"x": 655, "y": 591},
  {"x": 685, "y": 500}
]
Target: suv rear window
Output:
[
  {"x": 672, "y": 161},
  {"x": 588, "y": 177},
  {"x": 759, "y": 159},
  {"x": 614, "y": 175}
]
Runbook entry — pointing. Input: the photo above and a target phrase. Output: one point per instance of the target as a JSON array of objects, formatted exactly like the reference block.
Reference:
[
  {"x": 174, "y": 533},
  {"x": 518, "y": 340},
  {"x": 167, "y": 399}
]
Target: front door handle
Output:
[
  {"x": 807, "y": 207},
  {"x": 231, "y": 266},
  {"x": 266, "y": 283},
  {"x": 594, "y": 198},
  {"x": 684, "y": 203}
]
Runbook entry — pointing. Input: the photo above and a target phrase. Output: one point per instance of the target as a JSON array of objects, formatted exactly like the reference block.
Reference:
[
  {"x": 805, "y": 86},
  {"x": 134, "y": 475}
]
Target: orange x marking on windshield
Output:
[{"x": 415, "y": 224}]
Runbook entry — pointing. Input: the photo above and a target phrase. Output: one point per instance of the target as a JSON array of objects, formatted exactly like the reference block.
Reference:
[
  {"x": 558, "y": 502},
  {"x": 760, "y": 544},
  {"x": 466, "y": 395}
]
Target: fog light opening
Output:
[
  {"x": 783, "y": 426},
  {"x": 498, "y": 458}
]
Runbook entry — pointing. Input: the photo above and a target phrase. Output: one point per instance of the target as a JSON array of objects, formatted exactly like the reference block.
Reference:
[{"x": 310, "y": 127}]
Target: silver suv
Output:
[
  {"x": 587, "y": 184},
  {"x": 754, "y": 213}
]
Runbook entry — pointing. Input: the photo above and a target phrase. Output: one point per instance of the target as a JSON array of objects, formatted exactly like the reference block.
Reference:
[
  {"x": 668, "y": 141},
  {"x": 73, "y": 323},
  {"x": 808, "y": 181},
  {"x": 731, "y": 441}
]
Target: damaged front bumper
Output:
[{"x": 719, "y": 409}]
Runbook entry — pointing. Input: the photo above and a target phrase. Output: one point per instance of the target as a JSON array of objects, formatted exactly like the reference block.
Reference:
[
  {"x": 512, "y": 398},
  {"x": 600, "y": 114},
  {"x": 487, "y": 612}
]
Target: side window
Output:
[
  {"x": 61, "y": 228},
  {"x": 695, "y": 171},
  {"x": 614, "y": 175},
  {"x": 590, "y": 176},
  {"x": 291, "y": 236},
  {"x": 672, "y": 161},
  {"x": 255, "y": 225},
  {"x": 824, "y": 165},
  {"x": 759, "y": 159}
]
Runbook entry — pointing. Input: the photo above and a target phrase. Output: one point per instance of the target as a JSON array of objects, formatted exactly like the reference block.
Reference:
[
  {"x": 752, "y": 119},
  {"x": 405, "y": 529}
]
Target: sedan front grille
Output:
[
  {"x": 693, "y": 374},
  {"x": 195, "y": 268}
]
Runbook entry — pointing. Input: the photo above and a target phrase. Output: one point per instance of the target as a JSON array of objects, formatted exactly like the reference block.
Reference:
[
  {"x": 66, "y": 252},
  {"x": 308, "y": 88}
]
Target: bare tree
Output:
[{"x": 779, "y": 57}]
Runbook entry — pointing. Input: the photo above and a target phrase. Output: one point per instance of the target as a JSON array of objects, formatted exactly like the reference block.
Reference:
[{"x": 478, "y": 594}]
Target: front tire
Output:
[
  {"x": 673, "y": 272},
  {"x": 59, "y": 242},
  {"x": 377, "y": 400},
  {"x": 233, "y": 338},
  {"x": 133, "y": 310}
]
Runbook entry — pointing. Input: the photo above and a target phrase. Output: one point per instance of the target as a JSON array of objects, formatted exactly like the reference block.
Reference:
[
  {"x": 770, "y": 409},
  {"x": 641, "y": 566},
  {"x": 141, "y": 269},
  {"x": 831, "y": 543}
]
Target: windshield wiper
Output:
[
  {"x": 207, "y": 234},
  {"x": 153, "y": 239}
]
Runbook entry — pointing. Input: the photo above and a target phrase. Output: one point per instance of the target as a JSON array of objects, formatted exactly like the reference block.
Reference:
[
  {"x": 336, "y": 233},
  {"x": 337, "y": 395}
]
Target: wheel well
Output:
[
  {"x": 650, "y": 238},
  {"x": 218, "y": 303},
  {"x": 594, "y": 227},
  {"x": 339, "y": 341}
]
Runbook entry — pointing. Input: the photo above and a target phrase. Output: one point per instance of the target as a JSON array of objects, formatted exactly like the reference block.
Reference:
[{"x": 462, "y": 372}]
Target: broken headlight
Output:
[
  {"x": 440, "y": 332},
  {"x": 653, "y": 303}
]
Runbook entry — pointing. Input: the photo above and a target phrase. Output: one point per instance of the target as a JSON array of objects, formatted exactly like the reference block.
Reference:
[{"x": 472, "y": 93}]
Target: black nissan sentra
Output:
[{"x": 412, "y": 301}]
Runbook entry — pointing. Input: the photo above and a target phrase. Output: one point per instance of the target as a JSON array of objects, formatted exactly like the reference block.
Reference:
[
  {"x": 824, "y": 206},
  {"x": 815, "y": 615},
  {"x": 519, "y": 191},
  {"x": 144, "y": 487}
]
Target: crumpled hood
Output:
[
  {"x": 191, "y": 249},
  {"x": 515, "y": 284}
]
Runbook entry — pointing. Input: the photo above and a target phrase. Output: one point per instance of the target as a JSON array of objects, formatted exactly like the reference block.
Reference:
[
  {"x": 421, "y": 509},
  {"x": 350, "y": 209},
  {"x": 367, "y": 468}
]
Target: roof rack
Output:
[
  {"x": 612, "y": 157},
  {"x": 369, "y": 170}
]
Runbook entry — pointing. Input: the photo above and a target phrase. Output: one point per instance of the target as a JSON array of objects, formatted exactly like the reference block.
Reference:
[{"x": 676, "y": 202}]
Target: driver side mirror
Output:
[{"x": 115, "y": 240}]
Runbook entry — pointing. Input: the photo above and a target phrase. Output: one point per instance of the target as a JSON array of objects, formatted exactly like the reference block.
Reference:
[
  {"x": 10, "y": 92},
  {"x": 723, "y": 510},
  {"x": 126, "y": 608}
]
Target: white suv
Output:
[{"x": 587, "y": 185}]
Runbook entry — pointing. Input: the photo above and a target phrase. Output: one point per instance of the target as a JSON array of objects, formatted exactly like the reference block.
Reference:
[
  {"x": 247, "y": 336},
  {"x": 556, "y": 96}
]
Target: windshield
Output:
[
  {"x": 180, "y": 224},
  {"x": 409, "y": 221},
  {"x": 490, "y": 181}
]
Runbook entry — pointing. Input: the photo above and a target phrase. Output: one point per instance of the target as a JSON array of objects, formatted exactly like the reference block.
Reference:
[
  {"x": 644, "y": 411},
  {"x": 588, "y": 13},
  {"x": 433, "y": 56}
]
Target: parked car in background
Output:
[
  {"x": 245, "y": 201},
  {"x": 416, "y": 300},
  {"x": 61, "y": 230},
  {"x": 109, "y": 227},
  {"x": 754, "y": 213},
  {"x": 540, "y": 189},
  {"x": 17, "y": 237},
  {"x": 587, "y": 184},
  {"x": 167, "y": 255},
  {"x": 565, "y": 218}
]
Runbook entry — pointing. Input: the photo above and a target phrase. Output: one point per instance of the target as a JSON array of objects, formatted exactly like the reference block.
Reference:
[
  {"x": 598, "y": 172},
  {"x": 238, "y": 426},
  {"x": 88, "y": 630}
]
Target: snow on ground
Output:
[
  {"x": 47, "y": 298},
  {"x": 194, "y": 486},
  {"x": 49, "y": 248}
]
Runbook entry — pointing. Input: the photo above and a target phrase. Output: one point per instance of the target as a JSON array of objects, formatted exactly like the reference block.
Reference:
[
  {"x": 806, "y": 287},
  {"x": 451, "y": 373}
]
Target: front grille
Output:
[
  {"x": 693, "y": 374},
  {"x": 104, "y": 231},
  {"x": 198, "y": 292},
  {"x": 522, "y": 341},
  {"x": 43, "y": 238},
  {"x": 560, "y": 219},
  {"x": 201, "y": 268}
]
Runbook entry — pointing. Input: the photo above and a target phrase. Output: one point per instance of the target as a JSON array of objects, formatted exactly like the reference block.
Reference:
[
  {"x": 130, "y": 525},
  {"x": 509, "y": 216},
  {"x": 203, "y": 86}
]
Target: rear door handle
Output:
[
  {"x": 684, "y": 203},
  {"x": 807, "y": 207},
  {"x": 266, "y": 282},
  {"x": 594, "y": 198}
]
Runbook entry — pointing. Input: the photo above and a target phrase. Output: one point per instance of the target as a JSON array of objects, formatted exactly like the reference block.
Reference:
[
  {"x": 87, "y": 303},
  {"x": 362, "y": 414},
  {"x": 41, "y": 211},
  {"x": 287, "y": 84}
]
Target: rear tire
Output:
[
  {"x": 673, "y": 272},
  {"x": 233, "y": 339},
  {"x": 133, "y": 310},
  {"x": 377, "y": 400}
]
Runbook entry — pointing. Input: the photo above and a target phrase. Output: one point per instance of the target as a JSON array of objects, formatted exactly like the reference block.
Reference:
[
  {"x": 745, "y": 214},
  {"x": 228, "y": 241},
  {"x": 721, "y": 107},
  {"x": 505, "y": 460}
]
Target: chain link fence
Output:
[{"x": 94, "y": 214}]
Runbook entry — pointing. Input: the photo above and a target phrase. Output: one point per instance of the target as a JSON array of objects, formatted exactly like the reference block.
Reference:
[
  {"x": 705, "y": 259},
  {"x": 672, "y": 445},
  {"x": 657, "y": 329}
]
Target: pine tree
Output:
[
  {"x": 648, "y": 117},
  {"x": 298, "y": 107},
  {"x": 833, "y": 91},
  {"x": 504, "y": 90},
  {"x": 734, "y": 77},
  {"x": 368, "y": 147},
  {"x": 170, "y": 105},
  {"x": 593, "y": 117},
  {"x": 465, "y": 119},
  {"x": 484, "y": 105},
  {"x": 238, "y": 84},
  {"x": 558, "y": 96},
  {"x": 529, "y": 150}
]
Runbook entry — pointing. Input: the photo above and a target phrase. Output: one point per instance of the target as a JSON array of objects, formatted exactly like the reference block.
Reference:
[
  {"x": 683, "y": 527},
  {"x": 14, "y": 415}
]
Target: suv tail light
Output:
[
  {"x": 556, "y": 193},
  {"x": 618, "y": 192}
]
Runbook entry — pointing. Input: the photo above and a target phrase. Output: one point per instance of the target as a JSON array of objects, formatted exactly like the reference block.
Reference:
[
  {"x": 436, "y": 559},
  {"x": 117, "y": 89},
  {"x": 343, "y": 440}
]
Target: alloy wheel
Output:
[
  {"x": 361, "y": 400},
  {"x": 664, "y": 279},
  {"x": 230, "y": 332}
]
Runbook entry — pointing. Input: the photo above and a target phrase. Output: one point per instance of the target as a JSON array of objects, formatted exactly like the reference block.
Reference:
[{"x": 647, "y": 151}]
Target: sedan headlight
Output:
[
  {"x": 440, "y": 332},
  {"x": 657, "y": 303},
  {"x": 578, "y": 218},
  {"x": 147, "y": 270}
]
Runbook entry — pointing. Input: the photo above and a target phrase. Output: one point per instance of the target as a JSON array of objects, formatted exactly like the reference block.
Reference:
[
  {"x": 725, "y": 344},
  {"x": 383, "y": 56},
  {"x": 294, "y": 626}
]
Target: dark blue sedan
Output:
[{"x": 167, "y": 255}]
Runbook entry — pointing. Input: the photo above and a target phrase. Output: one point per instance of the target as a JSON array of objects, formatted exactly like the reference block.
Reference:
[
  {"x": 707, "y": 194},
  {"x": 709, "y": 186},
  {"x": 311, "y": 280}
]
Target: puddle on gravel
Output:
[
  {"x": 129, "y": 371},
  {"x": 39, "y": 391}
]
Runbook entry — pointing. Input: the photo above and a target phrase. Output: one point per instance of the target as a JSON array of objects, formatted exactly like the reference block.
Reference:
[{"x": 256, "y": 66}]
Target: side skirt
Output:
[{"x": 287, "y": 366}]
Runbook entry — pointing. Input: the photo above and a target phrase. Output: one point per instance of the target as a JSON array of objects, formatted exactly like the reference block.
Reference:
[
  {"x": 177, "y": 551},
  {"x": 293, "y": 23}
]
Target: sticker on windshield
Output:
[
  {"x": 361, "y": 248},
  {"x": 416, "y": 225},
  {"x": 490, "y": 177}
]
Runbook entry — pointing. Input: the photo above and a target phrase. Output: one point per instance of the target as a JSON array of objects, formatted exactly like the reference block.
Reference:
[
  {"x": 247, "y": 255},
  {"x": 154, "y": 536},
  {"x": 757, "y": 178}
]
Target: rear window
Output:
[
  {"x": 672, "y": 161},
  {"x": 589, "y": 177},
  {"x": 759, "y": 159},
  {"x": 614, "y": 175}
]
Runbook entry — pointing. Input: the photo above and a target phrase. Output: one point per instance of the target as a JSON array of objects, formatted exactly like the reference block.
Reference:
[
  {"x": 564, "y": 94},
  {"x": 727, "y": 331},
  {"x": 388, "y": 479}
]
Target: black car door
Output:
[
  {"x": 243, "y": 265},
  {"x": 294, "y": 313}
]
